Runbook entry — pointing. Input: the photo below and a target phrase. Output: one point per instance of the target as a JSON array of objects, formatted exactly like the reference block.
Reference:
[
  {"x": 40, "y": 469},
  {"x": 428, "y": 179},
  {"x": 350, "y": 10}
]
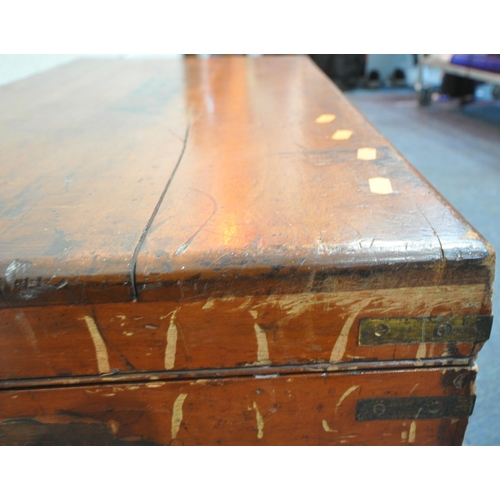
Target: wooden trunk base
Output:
[{"x": 304, "y": 409}]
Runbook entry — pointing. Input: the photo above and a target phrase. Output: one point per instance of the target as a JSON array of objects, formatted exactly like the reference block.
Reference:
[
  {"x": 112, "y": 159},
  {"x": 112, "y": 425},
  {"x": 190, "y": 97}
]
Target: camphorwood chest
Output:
[{"x": 224, "y": 251}]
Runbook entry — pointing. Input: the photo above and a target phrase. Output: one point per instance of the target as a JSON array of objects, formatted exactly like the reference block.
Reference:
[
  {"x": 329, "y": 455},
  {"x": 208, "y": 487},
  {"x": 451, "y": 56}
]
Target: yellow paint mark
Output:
[
  {"x": 367, "y": 154},
  {"x": 155, "y": 384},
  {"x": 340, "y": 346},
  {"x": 413, "y": 432},
  {"x": 254, "y": 314},
  {"x": 289, "y": 379},
  {"x": 121, "y": 316},
  {"x": 122, "y": 324},
  {"x": 210, "y": 304},
  {"x": 171, "y": 348},
  {"x": 133, "y": 387},
  {"x": 128, "y": 334},
  {"x": 154, "y": 377},
  {"x": 380, "y": 185},
  {"x": 404, "y": 435},
  {"x": 109, "y": 394},
  {"x": 177, "y": 414},
  {"x": 100, "y": 346},
  {"x": 326, "y": 118},
  {"x": 262, "y": 349},
  {"x": 342, "y": 135},
  {"x": 326, "y": 427},
  {"x": 346, "y": 393},
  {"x": 15, "y": 397},
  {"x": 260, "y": 421}
]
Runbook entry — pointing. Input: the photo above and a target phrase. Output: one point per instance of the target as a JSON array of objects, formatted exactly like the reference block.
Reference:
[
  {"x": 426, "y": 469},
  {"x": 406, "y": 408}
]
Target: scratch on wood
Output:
[
  {"x": 260, "y": 421},
  {"x": 171, "y": 347},
  {"x": 177, "y": 414},
  {"x": 198, "y": 231},
  {"x": 25, "y": 325},
  {"x": 346, "y": 393},
  {"x": 100, "y": 346},
  {"x": 326, "y": 427},
  {"x": 340, "y": 346},
  {"x": 417, "y": 300},
  {"x": 413, "y": 432}
]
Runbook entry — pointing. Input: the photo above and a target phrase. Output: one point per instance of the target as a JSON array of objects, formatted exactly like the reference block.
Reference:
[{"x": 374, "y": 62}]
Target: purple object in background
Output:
[{"x": 486, "y": 62}]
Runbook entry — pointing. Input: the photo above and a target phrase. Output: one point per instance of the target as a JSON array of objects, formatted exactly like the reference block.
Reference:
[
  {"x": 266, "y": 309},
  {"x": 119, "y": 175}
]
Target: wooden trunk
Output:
[{"x": 224, "y": 251}]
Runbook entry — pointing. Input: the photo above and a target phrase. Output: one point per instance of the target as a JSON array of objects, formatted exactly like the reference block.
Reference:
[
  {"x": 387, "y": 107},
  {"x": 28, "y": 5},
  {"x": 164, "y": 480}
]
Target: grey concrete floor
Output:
[{"x": 458, "y": 151}]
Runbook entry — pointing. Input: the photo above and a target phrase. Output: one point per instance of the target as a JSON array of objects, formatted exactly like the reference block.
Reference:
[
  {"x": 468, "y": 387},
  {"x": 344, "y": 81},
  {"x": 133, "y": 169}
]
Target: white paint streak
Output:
[
  {"x": 262, "y": 349},
  {"x": 253, "y": 314},
  {"x": 326, "y": 427},
  {"x": 413, "y": 432},
  {"x": 340, "y": 346},
  {"x": 367, "y": 154},
  {"x": 380, "y": 185},
  {"x": 325, "y": 118},
  {"x": 342, "y": 135},
  {"x": 177, "y": 414},
  {"x": 346, "y": 393},
  {"x": 245, "y": 304},
  {"x": 421, "y": 351},
  {"x": 210, "y": 304},
  {"x": 171, "y": 347},
  {"x": 404, "y": 435},
  {"x": 99, "y": 345},
  {"x": 260, "y": 421}
]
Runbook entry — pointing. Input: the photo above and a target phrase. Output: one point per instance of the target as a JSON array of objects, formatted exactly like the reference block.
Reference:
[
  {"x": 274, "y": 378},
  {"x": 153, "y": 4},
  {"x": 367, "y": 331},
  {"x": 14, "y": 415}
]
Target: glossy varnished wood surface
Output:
[
  {"x": 313, "y": 409},
  {"x": 258, "y": 198}
]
